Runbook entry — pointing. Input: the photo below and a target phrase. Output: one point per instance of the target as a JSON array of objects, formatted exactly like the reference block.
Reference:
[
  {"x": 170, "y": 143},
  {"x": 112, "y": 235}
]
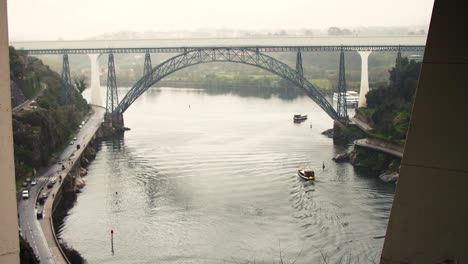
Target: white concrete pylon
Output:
[
  {"x": 364, "y": 78},
  {"x": 9, "y": 243},
  {"x": 95, "y": 82}
]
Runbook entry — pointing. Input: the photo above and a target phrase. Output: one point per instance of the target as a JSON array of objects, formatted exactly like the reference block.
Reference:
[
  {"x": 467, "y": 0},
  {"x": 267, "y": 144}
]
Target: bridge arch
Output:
[{"x": 239, "y": 55}]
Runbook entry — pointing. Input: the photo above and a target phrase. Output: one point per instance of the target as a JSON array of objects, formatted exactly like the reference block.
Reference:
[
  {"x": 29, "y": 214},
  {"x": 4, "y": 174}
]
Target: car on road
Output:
[
  {"x": 28, "y": 179},
  {"x": 43, "y": 197},
  {"x": 25, "y": 184},
  {"x": 53, "y": 180},
  {"x": 39, "y": 213},
  {"x": 60, "y": 162},
  {"x": 74, "y": 138},
  {"x": 34, "y": 182},
  {"x": 50, "y": 184},
  {"x": 25, "y": 194},
  {"x": 71, "y": 143}
]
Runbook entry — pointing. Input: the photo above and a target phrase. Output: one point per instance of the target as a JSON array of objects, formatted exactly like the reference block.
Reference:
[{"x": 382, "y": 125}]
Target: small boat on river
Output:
[
  {"x": 299, "y": 118},
  {"x": 306, "y": 174}
]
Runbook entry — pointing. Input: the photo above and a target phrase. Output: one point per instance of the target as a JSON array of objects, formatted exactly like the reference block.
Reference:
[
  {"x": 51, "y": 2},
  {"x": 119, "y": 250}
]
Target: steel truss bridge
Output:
[
  {"x": 249, "y": 55},
  {"x": 415, "y": 48}
]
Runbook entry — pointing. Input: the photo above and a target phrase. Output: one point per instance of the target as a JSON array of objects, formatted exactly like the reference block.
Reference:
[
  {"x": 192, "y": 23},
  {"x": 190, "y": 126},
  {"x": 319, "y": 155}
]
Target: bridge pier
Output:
[
  {"x": 9, "y": 241},
  {"x": 113, "y": 123},
  {"x": 112, "y": 100},
  {"x": 95, "y": 83},
  {"x": 148, "y": 67},
  {"x": 430, "y": 209},
  {"x": 341, "y": 105},
  {"x": 364, "y": 78},
  {"x": 299, "y": 68},
  {"x": 66, "y": 79}
]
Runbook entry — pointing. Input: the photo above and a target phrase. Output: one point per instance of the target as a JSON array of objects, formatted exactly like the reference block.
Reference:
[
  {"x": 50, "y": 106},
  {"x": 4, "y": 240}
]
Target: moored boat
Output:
[
  {"x": 352, "y": 98},
  {"x": 306, "y": 174},
  {"x": 299, "y": 118}
]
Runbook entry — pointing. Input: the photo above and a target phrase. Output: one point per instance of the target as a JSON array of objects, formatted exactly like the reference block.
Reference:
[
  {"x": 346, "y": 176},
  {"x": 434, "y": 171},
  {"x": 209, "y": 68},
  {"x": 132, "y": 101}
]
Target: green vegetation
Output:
[
  {"x": 374, "y": 160},
  {"x": 39, "y": 131},
  {"x": 80, "y": 83},
  {"x": 389, "y": 107},
  {"x": 27, "y": 80}
]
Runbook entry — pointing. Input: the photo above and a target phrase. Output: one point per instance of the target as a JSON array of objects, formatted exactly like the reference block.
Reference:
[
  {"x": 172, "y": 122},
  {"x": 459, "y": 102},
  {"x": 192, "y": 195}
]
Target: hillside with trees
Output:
[
  {"x": 49, "y": 123},
  {"x": 389, "y": 107}
]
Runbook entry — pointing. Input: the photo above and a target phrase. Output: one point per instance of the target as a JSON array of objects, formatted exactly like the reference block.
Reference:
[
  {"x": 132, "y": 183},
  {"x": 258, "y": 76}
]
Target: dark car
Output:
[
  {"x": 39, "y": 213},
  {"x": 25, "y": 184},
  {"x": 50, "y": 184},
  {"x": 43, "y": 197}
]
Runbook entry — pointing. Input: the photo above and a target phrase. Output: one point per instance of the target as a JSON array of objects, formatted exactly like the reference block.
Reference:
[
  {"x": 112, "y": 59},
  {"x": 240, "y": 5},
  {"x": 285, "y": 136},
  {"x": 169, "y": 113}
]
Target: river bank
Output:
[
  {"x": 70, "y": 187},
  {"x": 374, "y": 155}
]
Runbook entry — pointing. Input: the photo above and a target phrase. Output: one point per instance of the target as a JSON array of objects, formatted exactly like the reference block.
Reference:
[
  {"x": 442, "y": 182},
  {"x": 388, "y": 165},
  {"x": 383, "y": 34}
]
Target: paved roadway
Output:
[
  {"x": 26, "y": 105},
  {"x": 362, "y": 125},
  {"x": 380, "y": 145},
  {"x": 38, "y": 232}
]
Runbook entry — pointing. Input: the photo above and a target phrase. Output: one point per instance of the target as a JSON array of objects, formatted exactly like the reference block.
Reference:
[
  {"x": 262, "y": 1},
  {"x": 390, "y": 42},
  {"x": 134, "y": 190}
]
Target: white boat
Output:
[
  {"x": 306, "y": 174},
  {"x": 352, "y": 98}
]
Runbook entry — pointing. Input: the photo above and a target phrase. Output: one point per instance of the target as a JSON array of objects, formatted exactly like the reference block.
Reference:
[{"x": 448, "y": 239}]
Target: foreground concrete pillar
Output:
[
  {"x": 429, "y": 218},
  {"x": 9, "y": 243},
  {"x": 364, "y": 78},
  {"x": 95, "y": 82}
]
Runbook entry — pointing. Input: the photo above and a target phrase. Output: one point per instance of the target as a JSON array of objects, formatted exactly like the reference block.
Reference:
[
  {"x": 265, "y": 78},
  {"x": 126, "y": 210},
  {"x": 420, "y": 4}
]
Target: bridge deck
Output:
[{"x": 265, "y": 44}]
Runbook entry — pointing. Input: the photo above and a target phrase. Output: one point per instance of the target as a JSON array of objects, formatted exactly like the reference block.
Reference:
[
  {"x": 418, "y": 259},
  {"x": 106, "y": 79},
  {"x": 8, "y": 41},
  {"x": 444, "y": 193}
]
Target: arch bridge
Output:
[{"x": 249, "y": 55}]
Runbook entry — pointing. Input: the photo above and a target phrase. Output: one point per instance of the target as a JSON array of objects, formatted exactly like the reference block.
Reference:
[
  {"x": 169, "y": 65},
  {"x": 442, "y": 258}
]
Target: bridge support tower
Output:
[
  {"x": 9, "y": 243},
  {"x": 66, "y": 79},
  {"x": 299, "y": 68},
  {"x": 364, "y": 78},
  {"x": 148, "y": 67},
  {"x": 341, "y": 105},
  {"x": 111, "y": 119},
  {"x": 95, "y": 82},
  {"x": 430, "y": 209}
]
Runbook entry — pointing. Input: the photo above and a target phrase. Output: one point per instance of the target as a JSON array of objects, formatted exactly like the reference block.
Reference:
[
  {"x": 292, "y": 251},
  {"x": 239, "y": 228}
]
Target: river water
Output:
[{"x": 211, "y": 178}]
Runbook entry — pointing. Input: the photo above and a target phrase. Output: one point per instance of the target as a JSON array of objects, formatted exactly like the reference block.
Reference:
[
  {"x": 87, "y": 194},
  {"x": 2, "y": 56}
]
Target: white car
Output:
[
  {"x": 33, "y": 182},
  {"x": 71, "y": 143},
  {"x": 25, "y": 194}
]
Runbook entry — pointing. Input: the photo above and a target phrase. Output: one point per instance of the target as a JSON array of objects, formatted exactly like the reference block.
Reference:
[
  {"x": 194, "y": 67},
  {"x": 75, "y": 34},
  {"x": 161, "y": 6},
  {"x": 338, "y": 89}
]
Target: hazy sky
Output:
[{"x": 53, "y": 19}]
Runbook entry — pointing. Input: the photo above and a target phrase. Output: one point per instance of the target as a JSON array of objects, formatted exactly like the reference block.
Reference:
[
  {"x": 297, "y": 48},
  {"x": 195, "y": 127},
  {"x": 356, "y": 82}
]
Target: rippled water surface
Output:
[{"x": 211, "y": 179}]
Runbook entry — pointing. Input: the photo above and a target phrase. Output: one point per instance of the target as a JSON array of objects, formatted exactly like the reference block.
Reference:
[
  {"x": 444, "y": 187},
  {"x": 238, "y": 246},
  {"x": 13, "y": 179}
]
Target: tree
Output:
[
  {"x": 336, "y": 31},
  {"x": 16, "y": 65},
  {"x": 409, "y": 76},
  {"x": 80, "y": 83}
]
